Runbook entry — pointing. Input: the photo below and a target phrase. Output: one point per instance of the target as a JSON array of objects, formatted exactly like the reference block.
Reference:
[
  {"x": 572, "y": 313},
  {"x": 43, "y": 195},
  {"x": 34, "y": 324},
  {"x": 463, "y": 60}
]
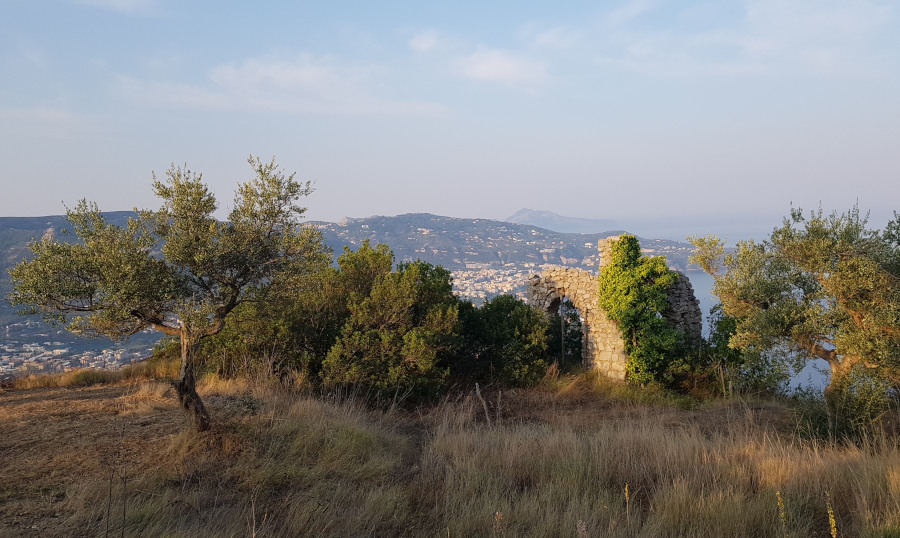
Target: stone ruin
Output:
[{"x": 602, "y": 346}]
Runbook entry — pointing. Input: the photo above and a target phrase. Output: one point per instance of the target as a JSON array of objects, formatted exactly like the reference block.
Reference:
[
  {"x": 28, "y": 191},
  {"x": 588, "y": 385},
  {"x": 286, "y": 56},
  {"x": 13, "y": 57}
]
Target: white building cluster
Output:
[{"x": 20, "y": 357}]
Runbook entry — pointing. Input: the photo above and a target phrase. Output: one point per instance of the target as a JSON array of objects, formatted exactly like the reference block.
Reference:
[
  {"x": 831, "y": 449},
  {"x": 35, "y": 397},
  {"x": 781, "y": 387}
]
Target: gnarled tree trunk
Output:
[
  {"x": 834, "y": 391},
  {"x": 186, "y": 385}
]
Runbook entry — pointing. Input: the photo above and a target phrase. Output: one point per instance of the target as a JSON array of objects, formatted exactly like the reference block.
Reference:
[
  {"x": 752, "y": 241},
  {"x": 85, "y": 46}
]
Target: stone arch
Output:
[{"x": 602, "y": 346}]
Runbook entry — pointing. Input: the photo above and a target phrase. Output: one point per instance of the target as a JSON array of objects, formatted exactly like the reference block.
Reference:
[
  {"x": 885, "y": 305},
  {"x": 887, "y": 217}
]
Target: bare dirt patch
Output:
[{"x": 53, "y": 440}]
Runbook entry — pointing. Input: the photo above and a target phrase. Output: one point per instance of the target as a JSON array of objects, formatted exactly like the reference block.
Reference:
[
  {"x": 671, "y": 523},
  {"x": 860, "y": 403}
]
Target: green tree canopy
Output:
[
  {"x": 318, "y": 307},
  {"x": 398, "y": 337},
  {"x": 504, "y": 340},
  {"x": 822, "y": 286},
  {"x": 177, "y": 270},
  {"x": 294, "y": 324}
]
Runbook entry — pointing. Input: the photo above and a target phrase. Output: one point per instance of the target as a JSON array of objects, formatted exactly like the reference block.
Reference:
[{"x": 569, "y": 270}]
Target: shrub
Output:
[
  {"x": 505, "y": 340},
  {"x": 852, "y": 410},
  {"x": 398, "y": 337}
]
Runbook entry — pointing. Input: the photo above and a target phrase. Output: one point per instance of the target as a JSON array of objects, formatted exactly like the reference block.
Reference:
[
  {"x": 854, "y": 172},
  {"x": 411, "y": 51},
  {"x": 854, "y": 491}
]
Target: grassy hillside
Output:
[{"x": 578, "y": 457}]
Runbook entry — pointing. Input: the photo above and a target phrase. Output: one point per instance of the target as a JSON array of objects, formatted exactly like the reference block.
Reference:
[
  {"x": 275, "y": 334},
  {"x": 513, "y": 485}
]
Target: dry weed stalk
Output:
[
  {"x": 117, "y": 467},
  {"x": 581, "y": 529},
  {"x": 251, "y": 524},
  {"x": 832, "y": 522},
  {"x": 782, "y": 513},
  {"x": 487, "y": 415},
  {"x": 498, "y": 524},
  {"x": 627, "y": 505}
]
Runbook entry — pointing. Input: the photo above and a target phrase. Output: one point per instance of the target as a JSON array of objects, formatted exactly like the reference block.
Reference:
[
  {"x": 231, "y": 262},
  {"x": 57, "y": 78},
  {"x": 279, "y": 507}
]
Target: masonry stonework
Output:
[{"x": 602, "y": 346}]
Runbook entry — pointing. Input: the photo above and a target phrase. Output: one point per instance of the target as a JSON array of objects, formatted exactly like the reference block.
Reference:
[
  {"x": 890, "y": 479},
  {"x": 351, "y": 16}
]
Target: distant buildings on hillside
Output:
[{"x": 23, "y": 352}]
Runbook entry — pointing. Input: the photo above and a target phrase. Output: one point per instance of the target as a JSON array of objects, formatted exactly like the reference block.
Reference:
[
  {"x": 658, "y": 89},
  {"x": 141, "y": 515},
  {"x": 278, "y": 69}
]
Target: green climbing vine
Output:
[{"x": 633, "y": 291}]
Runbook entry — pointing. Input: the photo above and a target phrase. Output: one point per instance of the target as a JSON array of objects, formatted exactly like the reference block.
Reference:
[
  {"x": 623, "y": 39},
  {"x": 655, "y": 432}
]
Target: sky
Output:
[{"x": 682, "y": 116}]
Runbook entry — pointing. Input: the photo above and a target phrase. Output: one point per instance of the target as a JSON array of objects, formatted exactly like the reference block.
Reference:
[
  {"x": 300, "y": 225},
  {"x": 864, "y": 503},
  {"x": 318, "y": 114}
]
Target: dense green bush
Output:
[
  {"x": 854, "y": 410},
  {"x": 291, "y": 328},
  {"x": 505, "y": 340},
  {"x": 359, "y": 324},
  {"x": 398, "y": 338}
]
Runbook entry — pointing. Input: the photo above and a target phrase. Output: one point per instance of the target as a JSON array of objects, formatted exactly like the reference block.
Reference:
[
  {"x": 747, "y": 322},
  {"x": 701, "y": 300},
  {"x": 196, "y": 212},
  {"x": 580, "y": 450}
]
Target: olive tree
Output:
[
  {"x": 177, "y": 270},
  {"x": 822, "y": 286}
]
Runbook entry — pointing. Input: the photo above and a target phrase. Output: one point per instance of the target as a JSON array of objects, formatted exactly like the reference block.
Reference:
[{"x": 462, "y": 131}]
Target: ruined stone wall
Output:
[
  {"x": 602, "y": 345},
  {"x": 684, "y": 311},
  {"x": 603, "y": 348}
]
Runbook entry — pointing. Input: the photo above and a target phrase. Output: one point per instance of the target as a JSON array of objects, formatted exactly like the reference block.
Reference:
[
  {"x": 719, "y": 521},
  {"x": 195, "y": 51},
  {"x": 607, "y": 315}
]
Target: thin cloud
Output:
[
  {"x": 766, "y": 36},
  {"x": 304, "y": 74},
  {"x": 455, "y": 55},
  {"x": 817, "y": 19},
  {"x": 495, "y": 65},
  {"x": 130, "y": 7},
  {"x": 558, "y": 38},
  {"x": 304, "y": 85},
  {"x": 822, "y": 36},
  {"x": 627, "y": 12},
  {"x": 427, "y": 41},
  {"x": 551, "y": 37}
]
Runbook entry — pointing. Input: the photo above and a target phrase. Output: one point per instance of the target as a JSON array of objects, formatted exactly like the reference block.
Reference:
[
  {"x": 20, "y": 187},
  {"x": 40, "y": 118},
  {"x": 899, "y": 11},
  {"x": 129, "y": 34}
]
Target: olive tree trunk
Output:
[
  {"x": 186, "y": 385},
  {"x": 835, "y": 391}
]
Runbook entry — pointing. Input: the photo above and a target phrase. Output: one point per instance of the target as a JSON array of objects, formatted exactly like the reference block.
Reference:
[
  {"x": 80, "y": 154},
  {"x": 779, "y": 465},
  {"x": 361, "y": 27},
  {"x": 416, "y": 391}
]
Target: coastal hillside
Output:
[{"x": 486, "y": 257}]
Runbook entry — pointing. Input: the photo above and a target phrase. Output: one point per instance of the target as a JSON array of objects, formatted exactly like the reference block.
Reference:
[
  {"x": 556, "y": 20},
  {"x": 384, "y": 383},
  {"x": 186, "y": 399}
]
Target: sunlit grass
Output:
[
  {"x": 85, "y": 377},
  {"x": 281, "y": 462}
]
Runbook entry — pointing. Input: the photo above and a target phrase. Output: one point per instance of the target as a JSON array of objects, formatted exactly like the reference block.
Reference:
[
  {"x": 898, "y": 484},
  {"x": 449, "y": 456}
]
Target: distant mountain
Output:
[
  {"x": 560, "y": 223},
  {"x": 458, "y": 243}
]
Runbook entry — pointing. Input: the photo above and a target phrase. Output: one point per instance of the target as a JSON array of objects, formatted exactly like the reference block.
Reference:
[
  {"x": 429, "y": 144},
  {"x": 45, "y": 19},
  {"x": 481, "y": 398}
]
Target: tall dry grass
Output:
[
  {"x": 550, "y": 479},
  {"x": 287, "y": 463},
  {"x": 276, "y": 464}
]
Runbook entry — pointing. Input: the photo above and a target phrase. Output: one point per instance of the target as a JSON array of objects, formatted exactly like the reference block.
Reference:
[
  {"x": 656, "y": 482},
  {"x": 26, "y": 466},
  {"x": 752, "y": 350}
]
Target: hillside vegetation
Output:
[
  {"x": 576, "y": 456},
  {"x": 355, "y": 396}
]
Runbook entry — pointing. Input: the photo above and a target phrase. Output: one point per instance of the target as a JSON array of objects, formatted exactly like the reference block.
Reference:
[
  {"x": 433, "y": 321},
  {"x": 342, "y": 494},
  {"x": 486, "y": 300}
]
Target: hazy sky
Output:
[{"x": 716, "y": 112}]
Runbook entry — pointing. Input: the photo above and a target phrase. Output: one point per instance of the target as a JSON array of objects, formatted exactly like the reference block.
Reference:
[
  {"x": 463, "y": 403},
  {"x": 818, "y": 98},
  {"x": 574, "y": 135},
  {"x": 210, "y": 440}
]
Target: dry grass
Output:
[
  {"x": 554, "y": 462},
  {"x": 85, "y": 377}
]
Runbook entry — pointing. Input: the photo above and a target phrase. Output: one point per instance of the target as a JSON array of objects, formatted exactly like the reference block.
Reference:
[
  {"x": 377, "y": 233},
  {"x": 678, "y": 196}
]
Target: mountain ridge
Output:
[
  {"x": 560, "y": 223},
  {"x": 486, "y": 258}
]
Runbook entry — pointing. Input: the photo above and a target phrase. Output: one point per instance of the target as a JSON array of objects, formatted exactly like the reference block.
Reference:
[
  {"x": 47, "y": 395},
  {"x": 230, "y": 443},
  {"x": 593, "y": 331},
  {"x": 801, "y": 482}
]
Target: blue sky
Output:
[{"x": 715, "y": 116}]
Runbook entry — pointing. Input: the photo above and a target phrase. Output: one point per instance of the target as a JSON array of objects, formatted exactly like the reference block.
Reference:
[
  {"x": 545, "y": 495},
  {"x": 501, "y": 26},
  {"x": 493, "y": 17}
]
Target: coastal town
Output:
[{"x": 25, "y": 351}]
